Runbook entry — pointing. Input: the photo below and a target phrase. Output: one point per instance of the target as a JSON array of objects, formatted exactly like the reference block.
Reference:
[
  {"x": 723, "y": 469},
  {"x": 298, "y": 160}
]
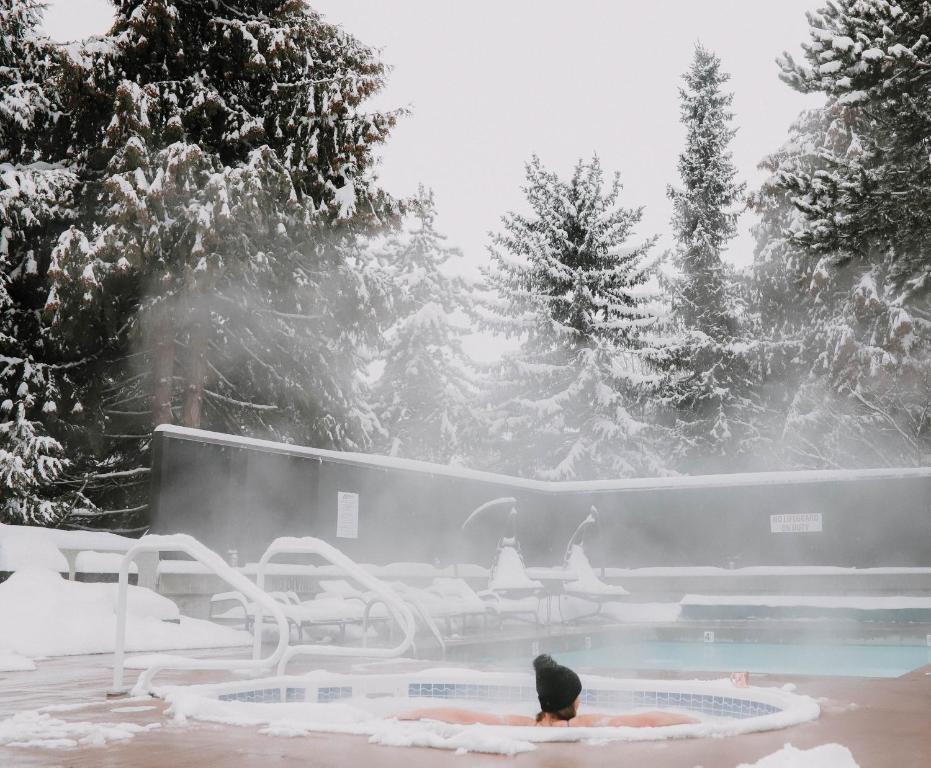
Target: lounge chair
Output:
[
  {"x": 426, "y": 605},
  {"x": 332, "y": 611},
  {"x": 511, "y": 592},
  {"x": 584, "y": 583}
]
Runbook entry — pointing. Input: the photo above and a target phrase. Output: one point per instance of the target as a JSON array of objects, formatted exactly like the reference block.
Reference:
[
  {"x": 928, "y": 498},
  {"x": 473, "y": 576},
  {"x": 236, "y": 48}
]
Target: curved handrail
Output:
[
  {"x": 590, "y": 521},
  {"x": 421, "y": 609},
  {"x": 417, "y": 606},
  {"x": 400, "y": 612},
  {"x": 487, "y": 505},
  {"x": 181, "y": 542}
]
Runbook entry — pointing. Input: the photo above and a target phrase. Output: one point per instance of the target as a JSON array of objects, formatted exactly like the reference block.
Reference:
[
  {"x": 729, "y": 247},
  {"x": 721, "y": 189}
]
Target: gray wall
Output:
[{"x": 231, "y": 494}]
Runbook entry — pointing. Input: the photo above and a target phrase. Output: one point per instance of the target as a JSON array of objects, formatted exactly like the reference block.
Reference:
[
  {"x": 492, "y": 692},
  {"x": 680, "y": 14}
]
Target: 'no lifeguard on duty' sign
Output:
[{"x": 809, "y": 522}]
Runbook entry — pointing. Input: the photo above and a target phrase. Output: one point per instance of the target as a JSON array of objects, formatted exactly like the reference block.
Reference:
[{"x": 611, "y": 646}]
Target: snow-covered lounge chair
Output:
[
  {"x": 429, "y": 605},
  {"x": 464, "y": 601},
  {"x": 511, "y": 592},
  {"x": 584, "y": 583},
  {"x": 336, "y": 612}
]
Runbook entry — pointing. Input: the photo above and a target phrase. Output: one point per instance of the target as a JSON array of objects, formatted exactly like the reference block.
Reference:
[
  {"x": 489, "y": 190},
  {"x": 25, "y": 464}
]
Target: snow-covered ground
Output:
[
  {"x": 43, "y": 614},
  {"x": 825, "y": 756},
  {"x": 13, "y": 662}
]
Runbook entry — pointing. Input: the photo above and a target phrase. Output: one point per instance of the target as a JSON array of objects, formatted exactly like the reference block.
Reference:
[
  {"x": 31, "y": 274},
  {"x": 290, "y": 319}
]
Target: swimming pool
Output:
[{"x": 771, "y": 658}]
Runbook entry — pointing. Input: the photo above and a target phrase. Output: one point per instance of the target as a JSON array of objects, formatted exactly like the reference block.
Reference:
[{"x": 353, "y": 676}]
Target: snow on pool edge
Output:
[{"x": 299, "y": 719}]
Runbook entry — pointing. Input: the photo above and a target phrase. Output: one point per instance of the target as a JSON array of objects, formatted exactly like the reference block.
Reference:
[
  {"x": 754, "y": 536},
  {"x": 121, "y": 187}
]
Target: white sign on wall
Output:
[
  {"x": 809, "y": 522},
  {"x": 347, "y": 515}
]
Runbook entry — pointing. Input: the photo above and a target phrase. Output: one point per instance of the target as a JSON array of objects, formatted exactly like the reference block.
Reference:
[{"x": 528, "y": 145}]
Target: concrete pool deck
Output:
[{"x": 884, "y": 723}]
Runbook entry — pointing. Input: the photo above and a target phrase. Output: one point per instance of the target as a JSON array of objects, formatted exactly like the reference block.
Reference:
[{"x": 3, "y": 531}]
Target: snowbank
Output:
[
  {"x": 100, "y": 562},
  {"x": 825, "y": 756},
  {"x": 20, "y": 550},
  {"x": 42, "y": 614},
  {"x": 97, "y": 540}
]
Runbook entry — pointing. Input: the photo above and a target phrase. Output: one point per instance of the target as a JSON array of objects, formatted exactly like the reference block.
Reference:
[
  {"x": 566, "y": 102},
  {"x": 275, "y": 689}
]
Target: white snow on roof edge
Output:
[{"x": 574, "y": 486}]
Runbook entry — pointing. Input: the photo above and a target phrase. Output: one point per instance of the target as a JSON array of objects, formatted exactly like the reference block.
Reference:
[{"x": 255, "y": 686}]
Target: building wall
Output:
[{"x": 238, "y": 494}]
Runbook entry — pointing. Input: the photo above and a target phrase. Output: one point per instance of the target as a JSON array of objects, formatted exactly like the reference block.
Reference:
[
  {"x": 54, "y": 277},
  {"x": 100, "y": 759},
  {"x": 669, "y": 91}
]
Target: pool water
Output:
[{"x": 772, "y": 658}]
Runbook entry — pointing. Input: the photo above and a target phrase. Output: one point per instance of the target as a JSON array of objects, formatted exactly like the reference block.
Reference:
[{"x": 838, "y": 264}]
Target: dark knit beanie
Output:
[{"x": 557, "y": 686}]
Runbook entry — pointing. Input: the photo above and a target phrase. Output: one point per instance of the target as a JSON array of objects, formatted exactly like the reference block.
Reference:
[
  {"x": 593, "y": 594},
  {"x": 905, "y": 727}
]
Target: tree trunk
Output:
[
  {"x": 163, "y": 366},
  {"x": 197, "y": 374}
]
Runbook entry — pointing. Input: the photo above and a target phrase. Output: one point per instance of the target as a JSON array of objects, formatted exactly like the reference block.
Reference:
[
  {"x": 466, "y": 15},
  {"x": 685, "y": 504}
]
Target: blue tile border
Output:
[
  {"x": 709, "y": 704},
  {"x": 334, "y": 693}
]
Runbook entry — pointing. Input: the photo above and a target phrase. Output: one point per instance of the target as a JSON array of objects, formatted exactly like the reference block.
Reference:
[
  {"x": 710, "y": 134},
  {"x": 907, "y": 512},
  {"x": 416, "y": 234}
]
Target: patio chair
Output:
[
  {"x": 511, "y": 592},
  {"x": 330, "y": 612},
  {"x": 585, "y": 583}
]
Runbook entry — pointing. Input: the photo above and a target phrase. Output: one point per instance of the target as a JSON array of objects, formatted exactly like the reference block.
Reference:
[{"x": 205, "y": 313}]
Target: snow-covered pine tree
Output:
[
  {"x": 426, "y": 394},
  {"x": 708, "y": 362},
  {"x": 860, "y": 180},
  {"x": 804, "y": 417},
  {"x": 567, "y": 403},
  {"x": 220, "y": 267},
  {"x": 34, "y": 204}
]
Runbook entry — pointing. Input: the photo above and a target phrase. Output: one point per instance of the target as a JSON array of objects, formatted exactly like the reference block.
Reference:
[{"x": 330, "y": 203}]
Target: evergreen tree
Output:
[
  {"x": 567, "y": 403},
  {"x": 857, "y": 176},
  {"x": 219, "y": 267},
  {"x": 708, "y": 361},
  {"x": 425, "y": 397},
  {"x": 34, "y": 204}
]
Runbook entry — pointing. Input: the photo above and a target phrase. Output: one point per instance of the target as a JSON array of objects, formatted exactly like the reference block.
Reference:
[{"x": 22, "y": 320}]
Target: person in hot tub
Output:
[{"x": 558, "y": 689}]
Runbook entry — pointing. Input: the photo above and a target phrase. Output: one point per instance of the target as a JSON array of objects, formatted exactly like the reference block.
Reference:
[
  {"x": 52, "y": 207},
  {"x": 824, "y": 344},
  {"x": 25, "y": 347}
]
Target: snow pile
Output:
[
  {"x": 42, "y": 614},
  {"x": 100, "y": 562},
  {"x": 101, "y": 541},
  {"x": 39, "y": 729},
  {"x": 26, "y": 550},
  {"x": 825, "y": 756}
]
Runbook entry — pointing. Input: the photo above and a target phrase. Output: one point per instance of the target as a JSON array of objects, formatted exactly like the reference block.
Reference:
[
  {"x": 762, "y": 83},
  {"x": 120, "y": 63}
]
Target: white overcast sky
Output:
[{"x": 490, "y": 82}]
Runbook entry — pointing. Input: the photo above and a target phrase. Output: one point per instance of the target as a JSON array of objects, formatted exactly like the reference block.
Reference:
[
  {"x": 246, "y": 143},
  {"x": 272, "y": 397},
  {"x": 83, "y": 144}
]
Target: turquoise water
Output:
[{"x": 772, "y": 658}]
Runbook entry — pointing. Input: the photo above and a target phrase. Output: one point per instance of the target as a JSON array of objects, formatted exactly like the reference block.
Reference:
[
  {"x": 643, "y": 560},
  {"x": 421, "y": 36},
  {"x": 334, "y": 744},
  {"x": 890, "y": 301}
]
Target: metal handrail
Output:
[
  {"x": 181, "y": 542},
  {"x": 417, "y": 607},
  {"x": 308, "y": 545}
]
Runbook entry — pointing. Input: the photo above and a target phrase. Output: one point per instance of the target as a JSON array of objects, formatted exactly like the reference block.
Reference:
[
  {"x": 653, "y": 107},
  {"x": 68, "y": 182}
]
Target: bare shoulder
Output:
[{"x": 588, "y": 721}]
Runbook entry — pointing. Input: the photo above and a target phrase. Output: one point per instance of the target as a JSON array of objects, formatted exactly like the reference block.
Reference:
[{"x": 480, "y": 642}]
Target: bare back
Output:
[{"x": 469, "y": 717}]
